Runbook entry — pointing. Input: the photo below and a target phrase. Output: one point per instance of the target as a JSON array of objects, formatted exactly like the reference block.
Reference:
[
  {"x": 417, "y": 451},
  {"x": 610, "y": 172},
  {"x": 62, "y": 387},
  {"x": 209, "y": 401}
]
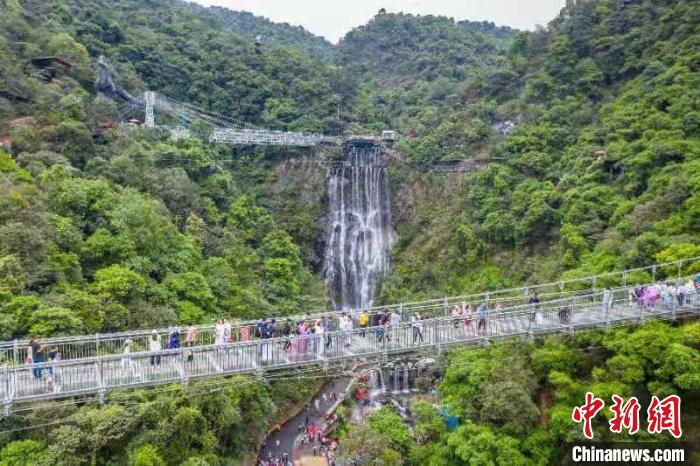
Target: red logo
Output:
[
  {"x": 665, "y": 415},
  {"x": 661, "y": 415},
  {"x": 626, "y": 415},
  {"x": 587, "y": 412}
]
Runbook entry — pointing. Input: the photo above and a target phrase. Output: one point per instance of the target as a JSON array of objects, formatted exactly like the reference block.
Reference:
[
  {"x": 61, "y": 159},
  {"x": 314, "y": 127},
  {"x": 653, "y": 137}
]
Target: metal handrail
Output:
[
  {"x": 95, "y": 375},
  {"x": 113, "y": 341}
]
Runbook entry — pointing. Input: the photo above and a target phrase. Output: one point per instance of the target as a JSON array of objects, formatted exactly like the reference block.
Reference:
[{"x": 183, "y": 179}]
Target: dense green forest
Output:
[
  {"x": 599, "y": 172},
  {"x": 113, "y": 230},
  {"x": 590, "y": 132},
  {"x": 515, "y": 400}
]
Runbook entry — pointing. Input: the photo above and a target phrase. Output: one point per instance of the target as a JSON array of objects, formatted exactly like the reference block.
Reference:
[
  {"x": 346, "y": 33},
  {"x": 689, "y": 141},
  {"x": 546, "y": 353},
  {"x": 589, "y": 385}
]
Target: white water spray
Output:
[{"x": 360, "y": 233}]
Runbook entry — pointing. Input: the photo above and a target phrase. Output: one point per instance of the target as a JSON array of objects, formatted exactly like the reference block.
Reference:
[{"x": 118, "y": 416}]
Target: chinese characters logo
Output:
[{"x": 662, "y": 415}]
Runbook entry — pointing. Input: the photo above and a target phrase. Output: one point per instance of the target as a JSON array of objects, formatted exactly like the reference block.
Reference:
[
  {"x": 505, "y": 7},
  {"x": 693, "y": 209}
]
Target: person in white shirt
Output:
[
  {"x": 227, "y": 331},
  {"x": 689, "y": 293},
  {"x": 127, "y": 361},
  {"x": 607, "y": 299},
  {"x": 219, "y": 332},
  {"x": 345, "y": 325},
  {"x": 318, "y": 332},
  {"x": 154, "y": 346}
]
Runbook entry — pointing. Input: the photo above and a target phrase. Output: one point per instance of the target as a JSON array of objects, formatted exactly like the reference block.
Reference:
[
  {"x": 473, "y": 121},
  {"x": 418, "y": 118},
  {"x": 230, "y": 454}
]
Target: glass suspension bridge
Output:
[{"x": 94, "y": 364}]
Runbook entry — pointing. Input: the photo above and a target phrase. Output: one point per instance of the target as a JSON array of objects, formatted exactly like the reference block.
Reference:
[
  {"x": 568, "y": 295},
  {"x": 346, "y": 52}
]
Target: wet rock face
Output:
[{"x": 359, "y": 231}]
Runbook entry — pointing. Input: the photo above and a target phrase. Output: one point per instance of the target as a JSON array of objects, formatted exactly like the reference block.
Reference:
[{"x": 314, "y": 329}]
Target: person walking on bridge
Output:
[
  {"x": 37, "y": 356},
  {"x": 481, "y": 312},
  {"x": 219, "y": 332},
  {"x": 394, "y": 321},
  {"x": 327, "y": 329},
  {"x": 395, "y": 317},
  {"x": 303, "y": 341},
  {"x": 457, "y": 312},
  {"x": 174, "y": 339},
  {"x": 286, "y": 331},
  {"x": 191, "y": 336},
  {"x": 382, "y": 319},
  {"x": 468, "y": 317},
  {"x": 227, "y": 334},
  {"x": 690, "y": 293},
  {"x": 154, "y": 346},
  {"x": 127, "y": 361},
  {"x": 417, "y": 328},
  {"x": 607, "y": 299},
  {"x": 345, "y": 325},
  {"x": 363, "y": 321},
  {"x": 320, "y": 344},
  {"x": 534, "y": 303}
]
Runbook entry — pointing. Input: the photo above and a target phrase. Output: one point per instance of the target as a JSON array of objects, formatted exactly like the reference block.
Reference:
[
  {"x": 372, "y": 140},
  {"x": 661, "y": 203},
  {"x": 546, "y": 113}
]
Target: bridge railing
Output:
[
  {"x": 102, "y": 344},
  {"x": 72, "y": 347},
  {"x": 97, "y": 374}
]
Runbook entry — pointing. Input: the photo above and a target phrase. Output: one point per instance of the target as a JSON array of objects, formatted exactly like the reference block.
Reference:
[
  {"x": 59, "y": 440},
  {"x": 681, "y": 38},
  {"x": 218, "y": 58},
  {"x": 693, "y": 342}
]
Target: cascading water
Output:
[{"x": 360, "y": 233}]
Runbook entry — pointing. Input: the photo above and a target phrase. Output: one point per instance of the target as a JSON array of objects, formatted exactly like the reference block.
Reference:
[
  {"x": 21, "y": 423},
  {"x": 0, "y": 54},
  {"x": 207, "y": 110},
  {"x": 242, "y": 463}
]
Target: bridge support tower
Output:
[{"x": 149, "y": 119}]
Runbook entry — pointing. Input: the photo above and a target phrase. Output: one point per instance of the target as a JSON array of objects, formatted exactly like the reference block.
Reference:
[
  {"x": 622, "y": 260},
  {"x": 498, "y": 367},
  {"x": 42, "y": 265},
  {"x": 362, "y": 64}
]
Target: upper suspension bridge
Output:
[
  {"x": 94, "y": 364},
  {"x": 220, "y": 128},
  {"x": 183, "y": 116}
]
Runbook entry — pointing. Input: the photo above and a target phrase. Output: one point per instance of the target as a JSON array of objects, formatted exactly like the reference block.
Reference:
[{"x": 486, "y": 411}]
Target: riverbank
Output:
[{"x": 286, "y": 438}]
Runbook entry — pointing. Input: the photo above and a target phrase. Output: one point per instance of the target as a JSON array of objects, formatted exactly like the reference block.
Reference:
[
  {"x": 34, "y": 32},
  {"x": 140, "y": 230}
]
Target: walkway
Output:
[
  {"x": 98, "y": 374},
  {"x": 85, "y": 346},
  {"x": 289, "y": 434}
]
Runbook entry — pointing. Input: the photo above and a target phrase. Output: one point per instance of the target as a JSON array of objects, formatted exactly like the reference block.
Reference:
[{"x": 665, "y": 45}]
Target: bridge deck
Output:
[
  {"x": 98, "y": 374},
  {"x": 514, "y": 299}
]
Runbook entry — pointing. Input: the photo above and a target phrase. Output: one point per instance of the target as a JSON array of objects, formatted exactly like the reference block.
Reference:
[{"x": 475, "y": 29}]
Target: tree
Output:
[
  {"x": 24, "y": 452},
  {"x": 11, "y": 276},
  {"x": 147, "y": 456},
  {"x": 386, "y": 422},
  {"x": 364, "y": 446},
  {"x": 54, "y": 321},
  {"x": 96, "y": 435},
  {"x": 194, "y": 288},
  {"x": 479, "y": 445},
  {"x": 429, "y": 426},
  {"x": 118, "y": 282},
  {"x": 254, "y": 222}
]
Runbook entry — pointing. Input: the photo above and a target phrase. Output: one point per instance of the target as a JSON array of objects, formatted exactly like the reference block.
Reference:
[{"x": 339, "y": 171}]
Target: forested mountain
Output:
[
  {"x": 106, "y": 229},
  {"x": 279, "y": 34},
  {"x": 195, "y": 55},
  {"x": 416, "y": 67},
  {"x": 402, "y": 48},
  {"x": 599, "y": 173},
  {"x": 590, "y": 133}
]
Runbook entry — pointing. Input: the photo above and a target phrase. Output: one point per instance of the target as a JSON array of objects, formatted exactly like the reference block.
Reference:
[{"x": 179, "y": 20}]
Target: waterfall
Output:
[
  {"x": 382, "y": 387},
  {"x": 377, "y": 382},
  {"x": 360, "y": 234},
  {"x": 406, "y": 387}
]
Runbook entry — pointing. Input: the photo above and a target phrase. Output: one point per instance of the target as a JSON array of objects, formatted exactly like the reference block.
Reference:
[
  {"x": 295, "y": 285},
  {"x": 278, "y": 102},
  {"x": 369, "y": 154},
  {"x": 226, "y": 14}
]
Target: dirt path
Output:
[{"x": 287, "y": 435}]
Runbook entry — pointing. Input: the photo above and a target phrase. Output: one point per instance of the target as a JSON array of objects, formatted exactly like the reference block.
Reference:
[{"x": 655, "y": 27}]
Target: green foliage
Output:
[
  {"x": 365, "y": 447},
  {"x": 386, "y": 422},
  {"x": 494, "y": 391},
  {"x": 475, "y": 444},
  {"x": 429, "y": 425},
  {"x": 147, "y": 456},
  {"x": 584, "y": 133},
  {"x": 483, "y": 389},
  {"x": 597, "y": 172},
  {"x": 23, "y": 452}
]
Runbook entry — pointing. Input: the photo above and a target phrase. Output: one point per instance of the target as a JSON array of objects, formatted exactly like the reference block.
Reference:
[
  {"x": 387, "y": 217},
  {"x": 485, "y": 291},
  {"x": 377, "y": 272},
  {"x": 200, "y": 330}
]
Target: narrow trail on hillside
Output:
[{"x": 288, "y": 435}]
